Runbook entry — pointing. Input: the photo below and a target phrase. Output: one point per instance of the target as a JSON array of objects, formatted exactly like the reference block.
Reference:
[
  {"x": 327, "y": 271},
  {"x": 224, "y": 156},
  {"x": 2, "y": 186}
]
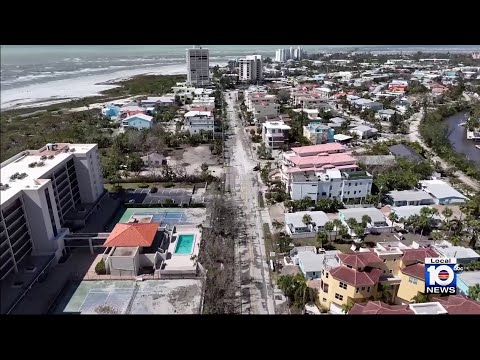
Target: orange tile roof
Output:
[{"x": 133, "y": 234}]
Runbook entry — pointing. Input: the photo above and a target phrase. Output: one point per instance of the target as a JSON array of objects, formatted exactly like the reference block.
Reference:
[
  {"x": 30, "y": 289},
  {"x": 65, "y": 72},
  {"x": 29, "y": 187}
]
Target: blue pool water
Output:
[{"x": 184, "y": 244}]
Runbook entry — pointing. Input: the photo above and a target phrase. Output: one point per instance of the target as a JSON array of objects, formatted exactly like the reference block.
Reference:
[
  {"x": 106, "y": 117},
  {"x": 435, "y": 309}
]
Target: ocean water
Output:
[{"x": 33, "y": 73}]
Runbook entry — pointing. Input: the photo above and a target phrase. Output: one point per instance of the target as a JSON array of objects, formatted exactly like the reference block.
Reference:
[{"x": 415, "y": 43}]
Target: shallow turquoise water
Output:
[{"x": 184, "y": 244}]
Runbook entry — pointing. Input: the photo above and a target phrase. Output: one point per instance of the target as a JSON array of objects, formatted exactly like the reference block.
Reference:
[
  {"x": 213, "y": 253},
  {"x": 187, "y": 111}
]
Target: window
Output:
[
  {"x": 349, "y": 184},
  {"x": 354, "y": 192},
  {"x": 343, "y": 285},
  {"x": 391, "y": 271},
  {"x": 384, "y": 260},
  {"x": 360, "y": 184},
  {"x": 357, "y": 290},
  {"x": 326, "y": 275},
  {"x": 368, "y": 289},
  {"x": 394, "y": 260},
  {"x": 363, "y": 288},
  {"x": 355, "y": 184},
  {"x": 324, "y": 300},
  {"x": 338, "y": 296},
  {"x": 412, "y": 280},
  {"x": 323, "y": 272},
  {"x": 348, "y": 192},
  {"x": 324, "y": 194}
]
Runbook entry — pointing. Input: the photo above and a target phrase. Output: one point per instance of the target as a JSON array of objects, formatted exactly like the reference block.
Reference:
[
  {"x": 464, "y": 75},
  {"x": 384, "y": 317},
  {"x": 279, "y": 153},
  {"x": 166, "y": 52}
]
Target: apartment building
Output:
[
  {"x": 196, "y": 121},
  {"x": 198, "y": 72},
  {"x": 40, "y": 190},
  {"x": 323, "y": 171},
  {"x": 319, "y": 133},
  {"x": 275, "y": 134},
  {"x": 257, "y": 98},
  {"x": 250, "y": 68}
]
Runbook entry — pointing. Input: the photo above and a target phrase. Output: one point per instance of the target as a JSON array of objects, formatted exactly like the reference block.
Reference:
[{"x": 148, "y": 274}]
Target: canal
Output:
[{"x": 458, "y": 138}]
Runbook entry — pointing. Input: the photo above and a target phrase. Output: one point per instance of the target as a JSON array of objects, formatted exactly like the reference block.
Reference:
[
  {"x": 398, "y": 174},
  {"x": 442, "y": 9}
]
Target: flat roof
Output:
[
  {"x": 314, "y": 262},
  {"x": 440, "y": 189},
  {"x": 431, "y": 308},
  {"x": 409, "y": 195},
  {"x": 198, "y": 113},
  {"x": 407, "y": 211},
  {"x": 20, "y": 164},
  {"x": 357, "y": 213},
  {"x": 342, "y": 137},
  {"x": 296, "y": 219},
  {"x": 139, "y": 116},
  {"x": 276, "y": 125}
]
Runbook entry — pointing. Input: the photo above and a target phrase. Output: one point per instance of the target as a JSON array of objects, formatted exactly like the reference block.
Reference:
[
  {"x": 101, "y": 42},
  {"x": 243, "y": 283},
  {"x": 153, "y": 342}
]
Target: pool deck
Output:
[{"x": 183, "y": 261}]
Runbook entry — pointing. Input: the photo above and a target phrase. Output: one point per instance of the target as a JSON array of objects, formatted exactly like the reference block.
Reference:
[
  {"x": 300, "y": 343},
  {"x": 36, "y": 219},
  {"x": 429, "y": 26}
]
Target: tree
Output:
[
  {"x": 385, "y": 293},
  {"x": 366, "y": 220},
  {"x": 343, "y": 231},
  {"x": 278, "y": 225},
  {"x": 347, "y": 307},
  {"x": 134, "y": 163},
  {"x": 393, "y": 218},
  {"x": 337, "y": 223},
  {"x": 204, "y": 167},
  {"x": 307, "y": 219},
  {"x": 447, "y": 214},
  {"x": 352, "y": 222},
  {"x": 322, "y": 238},
  {"x": 474, "y": 292},
  {"x": 329, "y": 228},
  {"x": 100, "y": 268},
  {"x": 420, "y": 298},
  {"x": 283, "y": 96},
  {"x": 455, "y": 240}
]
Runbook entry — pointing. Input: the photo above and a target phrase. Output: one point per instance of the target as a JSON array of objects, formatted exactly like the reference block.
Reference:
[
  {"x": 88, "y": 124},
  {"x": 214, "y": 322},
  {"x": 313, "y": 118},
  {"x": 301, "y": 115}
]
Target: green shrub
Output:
[
  {"x": 100, "y": 268},
  {"x": 168, "y": 185},
  {"x": 143, "y": 186}
]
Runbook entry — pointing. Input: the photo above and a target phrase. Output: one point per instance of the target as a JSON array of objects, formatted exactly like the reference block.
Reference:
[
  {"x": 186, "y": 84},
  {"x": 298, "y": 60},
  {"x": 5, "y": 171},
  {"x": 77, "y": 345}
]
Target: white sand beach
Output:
[{"x": 58, "y": 91}]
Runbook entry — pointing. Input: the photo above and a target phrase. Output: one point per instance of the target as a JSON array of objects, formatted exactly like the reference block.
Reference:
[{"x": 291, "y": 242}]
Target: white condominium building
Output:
[
  {"x": 195, "y": 121},
  {"x": 250, "y": 68},
  {"x": 198, "y": 72},
  {"x": 275, "y": 134},
  {"x": 39, "y": 190},
  {"x": 324, "y": 171}
]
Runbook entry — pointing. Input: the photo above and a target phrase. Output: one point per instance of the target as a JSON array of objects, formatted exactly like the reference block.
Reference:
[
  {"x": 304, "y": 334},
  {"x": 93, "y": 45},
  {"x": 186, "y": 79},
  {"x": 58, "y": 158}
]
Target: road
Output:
[
  {"x": 243, "y": 183},
  {"x": 414, "y": 135}
]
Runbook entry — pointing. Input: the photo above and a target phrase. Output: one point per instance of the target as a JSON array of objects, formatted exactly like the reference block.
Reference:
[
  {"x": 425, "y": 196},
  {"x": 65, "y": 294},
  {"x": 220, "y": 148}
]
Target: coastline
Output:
[{"x": 60, "y": 91}]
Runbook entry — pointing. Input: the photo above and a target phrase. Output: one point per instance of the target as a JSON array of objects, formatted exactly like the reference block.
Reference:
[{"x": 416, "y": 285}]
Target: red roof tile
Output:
[
  {"x": 355, "y": 277},
  {"x": 418, "y": 254},
  {"x": 362, "y": 259},
  {"x": 415, "y": 270},
  {"x": 379, "y": 308},
  {"x": 459, "y": 304},
  {"x": 134, "y": 234}
]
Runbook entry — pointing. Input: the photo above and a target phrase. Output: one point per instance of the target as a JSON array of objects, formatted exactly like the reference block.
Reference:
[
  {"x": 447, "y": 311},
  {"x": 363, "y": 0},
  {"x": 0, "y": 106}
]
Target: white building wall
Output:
[
  {"x": 89, "y": 174},
  {"x": 337, "y": 188}
]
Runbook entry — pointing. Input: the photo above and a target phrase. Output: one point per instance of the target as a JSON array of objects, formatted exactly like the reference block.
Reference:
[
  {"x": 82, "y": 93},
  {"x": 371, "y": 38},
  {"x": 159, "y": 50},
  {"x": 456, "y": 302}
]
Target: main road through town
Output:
[{"x": 255, "y": 293}]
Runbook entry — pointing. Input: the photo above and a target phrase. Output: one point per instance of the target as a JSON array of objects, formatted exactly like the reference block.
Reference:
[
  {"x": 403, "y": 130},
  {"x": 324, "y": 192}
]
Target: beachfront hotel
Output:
[
  {"x": 198, "y": 72},
  {"x": 43, "y": 192}
]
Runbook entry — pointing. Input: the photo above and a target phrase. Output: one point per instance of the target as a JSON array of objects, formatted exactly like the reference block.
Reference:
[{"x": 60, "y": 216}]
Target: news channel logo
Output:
[{"x": 441, "y": 275}]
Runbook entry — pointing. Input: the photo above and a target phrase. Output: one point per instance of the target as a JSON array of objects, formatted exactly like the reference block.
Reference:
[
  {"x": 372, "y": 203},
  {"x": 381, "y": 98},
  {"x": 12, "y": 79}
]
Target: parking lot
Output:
[{"x": 144, "y": 196}]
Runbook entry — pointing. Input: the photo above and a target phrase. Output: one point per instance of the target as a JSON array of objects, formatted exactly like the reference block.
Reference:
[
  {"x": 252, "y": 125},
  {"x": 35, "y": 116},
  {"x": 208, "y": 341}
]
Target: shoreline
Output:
[{"x": 60, "y": 91}]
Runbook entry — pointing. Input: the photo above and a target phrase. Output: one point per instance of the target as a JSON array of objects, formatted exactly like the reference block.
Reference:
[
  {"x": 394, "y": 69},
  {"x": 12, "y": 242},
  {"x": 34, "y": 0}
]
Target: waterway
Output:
[{"x": 458, "y": 138}]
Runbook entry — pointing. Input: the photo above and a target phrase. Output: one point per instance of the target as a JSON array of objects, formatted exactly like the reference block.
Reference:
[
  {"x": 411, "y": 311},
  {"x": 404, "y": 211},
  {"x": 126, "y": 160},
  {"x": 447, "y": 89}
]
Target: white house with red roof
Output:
[{"x": 324, "y": 171}]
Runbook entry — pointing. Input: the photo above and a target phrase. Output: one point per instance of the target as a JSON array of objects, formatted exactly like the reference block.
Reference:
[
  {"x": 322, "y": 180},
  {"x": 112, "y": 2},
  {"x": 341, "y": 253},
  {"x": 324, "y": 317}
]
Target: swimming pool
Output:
[{"x": 185, "y": 244}]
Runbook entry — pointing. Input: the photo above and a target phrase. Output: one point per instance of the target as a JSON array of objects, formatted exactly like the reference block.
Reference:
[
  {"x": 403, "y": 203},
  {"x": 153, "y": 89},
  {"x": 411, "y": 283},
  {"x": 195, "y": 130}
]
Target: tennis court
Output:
[
  {"x": 170, "y": 216},
  {"x": 130, "y": 297}
]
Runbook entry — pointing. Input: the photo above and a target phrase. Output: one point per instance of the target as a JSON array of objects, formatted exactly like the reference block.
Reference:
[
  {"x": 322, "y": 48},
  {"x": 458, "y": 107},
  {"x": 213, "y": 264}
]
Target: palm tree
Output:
[
  {"x": 329, "y": 228},
  {"x": 393, "y": 218},
  {"x": 420, "y": 298},
  {"x": 347, "y": 307},
  {"x": 474, "y": 292},
  {"x": 366, "y": 220},
  {"x": 342, "y": 231},
  {"x": 322, "y": 238},
  {"x": 455, "y": 240},
  {"x": 352, "y": 223},
  {"x": 337, "y": 223},
  {"x": 307, "y": 219},
  {"x": 277, "y": 225},
  {"x": 385, "y": 293}
]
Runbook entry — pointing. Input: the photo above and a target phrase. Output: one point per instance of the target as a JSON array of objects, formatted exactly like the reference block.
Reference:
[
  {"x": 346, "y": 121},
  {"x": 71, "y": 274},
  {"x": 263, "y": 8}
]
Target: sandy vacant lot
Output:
[{"x": 193, "y": 158}]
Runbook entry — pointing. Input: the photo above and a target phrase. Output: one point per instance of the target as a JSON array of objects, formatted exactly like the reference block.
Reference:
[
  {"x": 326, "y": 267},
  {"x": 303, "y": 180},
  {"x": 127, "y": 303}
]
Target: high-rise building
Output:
[
  {"x": 198, "y": 71},
  {"x": 40, "y": 191},
  {"x": 282, "y": 55},
  {"x": 250, "y": 68}
]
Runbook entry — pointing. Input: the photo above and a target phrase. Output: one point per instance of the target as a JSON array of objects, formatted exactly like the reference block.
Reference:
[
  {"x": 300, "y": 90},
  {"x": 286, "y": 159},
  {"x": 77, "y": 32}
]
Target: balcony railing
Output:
[{"x": 11, "y": 216}]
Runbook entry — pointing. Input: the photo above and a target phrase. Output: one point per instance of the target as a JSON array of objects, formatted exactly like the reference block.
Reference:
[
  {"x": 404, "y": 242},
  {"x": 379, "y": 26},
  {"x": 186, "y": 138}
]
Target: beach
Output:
[{"x": 58, "y": 91}]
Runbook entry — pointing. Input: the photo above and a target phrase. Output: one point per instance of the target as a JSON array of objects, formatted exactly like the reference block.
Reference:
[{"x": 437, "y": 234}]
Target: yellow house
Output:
[{"x": 412, "y": 282}]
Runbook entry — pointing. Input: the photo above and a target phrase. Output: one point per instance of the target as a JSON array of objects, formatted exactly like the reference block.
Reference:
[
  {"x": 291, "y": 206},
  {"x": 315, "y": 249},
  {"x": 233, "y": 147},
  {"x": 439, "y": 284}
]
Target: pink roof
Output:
[
  {"x": 355, "y": 277},
  {"x": 357, "y": 260},
  {"x": 458, "y": 304},
  {"x": 415, "y": 270},
  {"x": 378, "y": 307},
  {"x": 418, "y": 254},
  {"x": 318, "y": 161},
  {"x": 320, "y": 148}
]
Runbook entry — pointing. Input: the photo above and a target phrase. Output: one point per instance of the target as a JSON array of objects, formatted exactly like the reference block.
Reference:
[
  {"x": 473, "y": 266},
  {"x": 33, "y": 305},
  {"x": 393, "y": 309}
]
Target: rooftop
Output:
[
  {"x": 296, "y": 218},
  {"x": 355, "y": 277},
  {"x": 407, "y": 211},
  {"x": 45, "y": 159},
  {"x": 276, "y": 125},
  {"x": 440, "y": 189},
  {"x": 317, "y": 149},
  {"x": 359, "y": 259},
  {"x": 415, "y": 270},
  {"x": 132, "y": 235},
  {"x": 430, "y": 308},
  {"x": 357, "y": 213},
  {"x": 409, "y": 195},
  {"x": 375, "y": 159},
  {"x": 458, "y": 304},
  {"x": 401, "y": 150},
  {"x": 470, "y": 278},
  {"x": 139, "y": 116},
  {"x": 379, "y": 308},
  {"x": 418, "y": 254},
  {"x": 458, "y": 252},
  {"x": 198, "y": 113}
]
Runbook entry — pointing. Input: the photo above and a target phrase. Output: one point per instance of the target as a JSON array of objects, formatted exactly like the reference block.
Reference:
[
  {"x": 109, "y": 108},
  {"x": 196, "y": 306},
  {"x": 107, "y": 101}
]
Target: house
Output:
[
  {"x": 130, "y": 110},
  {"x": 138, "y": 121},
  {"x": 404, "y": 212},
  {"x": 133, "y": 246},
  {"x": 467, "y": 279},
  {"x": 324, "y": 92},
  {"x": 323, "y": 171},
  {"x": 275, "y": 134},
  {"x": 453, "y": 304},
  {"x": 409, "y": 197},
  {"x": 158, "y": 101},
  {"x": 398, "y": 86},
  {"x": 261, "y": 110},
  {"x": 378, "y": 222},
  {"x": 342, "y": 138},
  {"x": 385, "y": 114},
  {"x": 364, "y": 131},
  {"x": 405, "y": 151},
  {"x": 402, "y": 105},
  {"x": 196, "y": 121},
  {"x": 442, "y": 193},
  {"x": 111, "y": 111},
  {"x": 154, "y": 160},
  {"x": 295, "y": 227},
  {"x": 462, "y": 254},
  {"x": 318, "y": 133},
  {"x": 311, "y": 264},
  {"x": 367, "y": 104}
]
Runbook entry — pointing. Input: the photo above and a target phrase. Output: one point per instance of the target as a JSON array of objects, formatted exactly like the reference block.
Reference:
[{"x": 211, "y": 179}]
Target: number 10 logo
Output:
[{"x": 440, "y": 279}]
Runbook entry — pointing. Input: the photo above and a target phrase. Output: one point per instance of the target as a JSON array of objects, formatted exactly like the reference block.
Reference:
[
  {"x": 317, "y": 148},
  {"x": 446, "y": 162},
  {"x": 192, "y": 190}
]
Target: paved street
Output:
[{"x": 243, "y": 183}]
